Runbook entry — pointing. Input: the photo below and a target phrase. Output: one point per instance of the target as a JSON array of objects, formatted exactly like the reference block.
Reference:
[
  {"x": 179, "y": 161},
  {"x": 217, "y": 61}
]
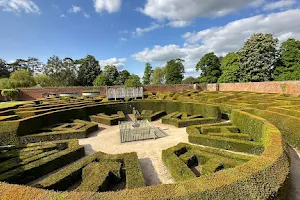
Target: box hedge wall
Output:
[{"x": 263, "y": 177}]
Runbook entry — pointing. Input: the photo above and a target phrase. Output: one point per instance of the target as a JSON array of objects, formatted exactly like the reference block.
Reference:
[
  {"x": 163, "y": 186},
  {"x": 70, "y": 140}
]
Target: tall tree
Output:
[
  {"x": 70, "y": 71},
  {"x": 287, "y": 66},
  {"x": 34, "y": 65},
  {"x": 123, "y": 76},
  {"x": 257, "y": 58},
  {"x": 101, "y": 80},
  {"x": 147, "y": 74},
  {"x": 53, "y": 69},
  {"x": 89, "y": 69},
  {"x": 209, "y": 65},
  {"x": 18, "y": 64},
  {"x": 189, "y": 80},
  {"x": 158, "y": 76},
  {"x": 60, "y": 71},
  {"x": 21, "y": 78},
  {"x": 111, "y": 72},
  {"x": 229, "y": 67},
  {"x": 174, "y": 71},
  {"x": 133, "y": 81},
  {"x": 4, "y": 72}
]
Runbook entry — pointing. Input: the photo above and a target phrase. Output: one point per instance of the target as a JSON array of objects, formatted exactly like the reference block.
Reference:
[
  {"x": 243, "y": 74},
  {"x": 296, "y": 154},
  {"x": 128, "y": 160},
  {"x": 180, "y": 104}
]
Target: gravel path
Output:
[
  {"x": 107, "y": 140},
  {"x": 294, "y": 192}
]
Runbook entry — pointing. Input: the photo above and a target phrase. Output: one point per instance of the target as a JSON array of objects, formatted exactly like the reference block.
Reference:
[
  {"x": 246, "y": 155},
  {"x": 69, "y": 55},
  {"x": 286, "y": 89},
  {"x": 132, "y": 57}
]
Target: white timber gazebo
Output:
[{"x": 121, "y": 92}]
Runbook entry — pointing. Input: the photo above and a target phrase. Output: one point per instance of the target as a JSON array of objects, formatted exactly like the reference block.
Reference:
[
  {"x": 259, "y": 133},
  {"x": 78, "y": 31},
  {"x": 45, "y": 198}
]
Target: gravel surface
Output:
[
  {"x": 107, "y": 140},
  {"x": 294, "y": 192}
]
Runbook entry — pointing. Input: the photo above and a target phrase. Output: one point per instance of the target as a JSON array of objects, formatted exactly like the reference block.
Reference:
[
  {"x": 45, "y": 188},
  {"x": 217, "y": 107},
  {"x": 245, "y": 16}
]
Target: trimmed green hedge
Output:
[
  {"x": 10, "y": 130},
  {"x": 82, "y": 131},
  {"x": 150, "y": 116},
  {"x": 97, "y": 176},
  {"x": 262, "y": 177},
  {"x": 66, "y": 177},
  {"x": 180, "y": 120},
  {"x": 109, "y": 120},
  {"x": 288, "y": 125},
  {"x": 178, "y": 159},
  {"x": 33, "y": 170}
]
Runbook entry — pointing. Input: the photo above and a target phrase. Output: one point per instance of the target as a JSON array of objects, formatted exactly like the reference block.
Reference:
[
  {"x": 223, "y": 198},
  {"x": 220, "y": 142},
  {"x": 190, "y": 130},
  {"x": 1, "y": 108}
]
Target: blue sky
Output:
[{"x": 128, "y": 33}]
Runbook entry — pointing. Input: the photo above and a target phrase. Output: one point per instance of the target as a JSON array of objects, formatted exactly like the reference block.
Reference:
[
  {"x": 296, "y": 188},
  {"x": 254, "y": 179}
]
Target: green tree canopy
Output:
[
  {"x": 21, "y": 78},
  {"x": 147, "y": 74},
  {"x": 158, "y": 76},
  {"x": 229, "y": 67},
  {"x": 33, "y": 65},
  {"x": 133, "y": 81},
  {"x": 111, "y": 72},
  {"x": 123, "y": 76},
  {"x": 5, "y": 83},
  {"x": 174, "y": 71},
  {"x": 18, "y": 64},
  {"x": 43, "y": 80},
  {"x": 89, "y": 69},
  {"x": 4, "y": 72},
  {"x": 60, "y": 71},
  {"x": 209, "y": 65},
  {"x": 101, "y": 80},
  {"x": 287, "y": 66},
  {"x": 257, "y": 58},
  {"x": 189, "y": 80}
]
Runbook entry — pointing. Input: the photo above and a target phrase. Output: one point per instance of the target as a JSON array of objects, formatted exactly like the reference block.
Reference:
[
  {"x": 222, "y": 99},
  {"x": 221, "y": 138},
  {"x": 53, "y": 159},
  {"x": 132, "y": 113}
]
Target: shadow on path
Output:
[
  {"x": 97, "y": 132},
  {"x": 150, "y": 175},
  {"x": 294, "y": 191},
  {"x": 89, "y": 149}
]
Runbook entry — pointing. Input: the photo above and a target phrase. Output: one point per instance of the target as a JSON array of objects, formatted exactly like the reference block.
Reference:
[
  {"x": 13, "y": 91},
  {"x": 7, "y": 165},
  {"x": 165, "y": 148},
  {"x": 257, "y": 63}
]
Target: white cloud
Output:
[
  {"x": 19, "y": 6},
  {"x": 86, "y": 15},
  {"x": 75, "y": 9},
  {"x": 123, "y": 39},
  {"x": 62, "y": 16},
  {"x": 110, "y": 6},
  {"x": 279, "y": 4},
  {"x": 124, "y": 32},
  {"x": 159, "y": 53},
  {"x": 222, "y": 40},
  {"x": 141, "y": 31},
  {"x": 118, "y": 62},
  {"x": 179, "y": 23},
  {"x": 185, "y": 10}
]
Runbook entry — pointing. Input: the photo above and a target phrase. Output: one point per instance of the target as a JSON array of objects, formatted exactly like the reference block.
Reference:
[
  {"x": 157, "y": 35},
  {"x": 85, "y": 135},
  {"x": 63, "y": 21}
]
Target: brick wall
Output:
[
  {"x": 36, "y": 93},
  {"x": 291, "y": 87}
]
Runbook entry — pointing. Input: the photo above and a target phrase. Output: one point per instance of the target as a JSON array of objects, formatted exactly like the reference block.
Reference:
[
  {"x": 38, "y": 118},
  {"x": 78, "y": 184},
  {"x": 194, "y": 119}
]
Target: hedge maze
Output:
[
  {"x": 25, "y": 163},
  {"x": 237, "y": 147},
  {"x": 97, "y": 173},
  {"x": 108, "y": 119}
]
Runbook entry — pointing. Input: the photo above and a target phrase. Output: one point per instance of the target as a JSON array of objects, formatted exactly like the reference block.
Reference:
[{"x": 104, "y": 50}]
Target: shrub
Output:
[
  {"x": 10, "y": 93},
  {"x": 21, "y": 78},
  {"x": 5, "y": 83}
]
